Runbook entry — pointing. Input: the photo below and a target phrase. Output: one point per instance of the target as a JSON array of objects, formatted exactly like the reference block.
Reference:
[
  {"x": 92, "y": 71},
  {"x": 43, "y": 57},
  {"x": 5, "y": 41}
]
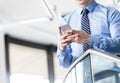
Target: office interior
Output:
[{"x": 28, "y": 39}]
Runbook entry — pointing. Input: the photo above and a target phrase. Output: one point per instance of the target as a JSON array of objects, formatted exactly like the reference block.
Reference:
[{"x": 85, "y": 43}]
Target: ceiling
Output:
[{"x": 35, "y": 20}]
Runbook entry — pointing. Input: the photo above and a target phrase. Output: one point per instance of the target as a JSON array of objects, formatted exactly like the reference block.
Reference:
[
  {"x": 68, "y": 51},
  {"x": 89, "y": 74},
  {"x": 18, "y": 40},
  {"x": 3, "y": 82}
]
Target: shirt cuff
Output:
[{"x": 61, "y": 52}]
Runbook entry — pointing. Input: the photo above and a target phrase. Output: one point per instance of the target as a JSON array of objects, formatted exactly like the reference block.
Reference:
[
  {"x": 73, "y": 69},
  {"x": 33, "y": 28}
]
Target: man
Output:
[{"x": 104, "y": 34}]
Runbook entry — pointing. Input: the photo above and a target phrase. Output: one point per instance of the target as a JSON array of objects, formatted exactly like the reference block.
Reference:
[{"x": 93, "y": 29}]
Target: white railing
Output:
[{"x": 101, "y": 68}]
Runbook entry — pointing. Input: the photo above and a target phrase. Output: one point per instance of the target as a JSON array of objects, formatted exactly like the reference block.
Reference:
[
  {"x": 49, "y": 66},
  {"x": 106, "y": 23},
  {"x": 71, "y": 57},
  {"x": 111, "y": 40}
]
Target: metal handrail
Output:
[{"x": 91, "y": 51}]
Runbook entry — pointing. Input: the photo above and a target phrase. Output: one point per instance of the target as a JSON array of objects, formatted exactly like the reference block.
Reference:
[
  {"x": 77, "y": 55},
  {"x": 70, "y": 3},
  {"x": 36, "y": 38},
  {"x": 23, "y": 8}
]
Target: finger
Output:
[
  {"x": 60, "y": 32},
  {"x": 68, "y": 40},
  {"x": 77, "y": 40},
  {"x": 64, "y": 36},
  {"x": 74, "y": 36},
  {"x": 70, "y": 31},
  {"x": 65, "y": 41},
  {"x": 65, "y": 44}
]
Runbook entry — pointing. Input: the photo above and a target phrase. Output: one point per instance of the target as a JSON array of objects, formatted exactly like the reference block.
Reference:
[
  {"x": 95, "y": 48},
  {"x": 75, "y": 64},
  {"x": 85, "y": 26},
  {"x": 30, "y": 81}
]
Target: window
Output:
[{"x": 29, "y": 62}]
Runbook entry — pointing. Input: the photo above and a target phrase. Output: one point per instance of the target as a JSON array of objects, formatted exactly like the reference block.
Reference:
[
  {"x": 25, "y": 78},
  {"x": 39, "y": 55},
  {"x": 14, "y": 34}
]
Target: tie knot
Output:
[{"x": 85, "y": 11}]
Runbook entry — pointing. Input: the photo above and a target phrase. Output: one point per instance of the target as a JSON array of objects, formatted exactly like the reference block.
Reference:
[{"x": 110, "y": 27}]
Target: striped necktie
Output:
[
  {"x": 86, "y": 61},
  {"x": 85, "y": 26}
]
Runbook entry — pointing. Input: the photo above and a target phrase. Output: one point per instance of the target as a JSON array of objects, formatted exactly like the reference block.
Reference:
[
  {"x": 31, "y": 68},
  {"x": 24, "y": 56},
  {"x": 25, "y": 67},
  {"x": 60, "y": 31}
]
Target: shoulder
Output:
[
  {"x": 112, "y": 9},
  {"x": 107, "y": 8},
  {"x": 111, "y": 12},
  {"x": 68, "y": 16}
]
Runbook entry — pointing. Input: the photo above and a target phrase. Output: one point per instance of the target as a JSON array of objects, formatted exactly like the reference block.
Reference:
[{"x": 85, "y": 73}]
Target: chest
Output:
[{"x": 98, "y": 24}]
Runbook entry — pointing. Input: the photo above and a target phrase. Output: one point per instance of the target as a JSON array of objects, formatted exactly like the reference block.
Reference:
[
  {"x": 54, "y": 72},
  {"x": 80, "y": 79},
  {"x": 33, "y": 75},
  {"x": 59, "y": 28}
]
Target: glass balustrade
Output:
[{"x": 94, "y": 67}]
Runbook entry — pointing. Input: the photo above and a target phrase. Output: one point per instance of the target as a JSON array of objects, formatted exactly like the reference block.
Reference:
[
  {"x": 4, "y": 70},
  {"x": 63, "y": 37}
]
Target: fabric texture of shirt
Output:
[{"x": 105, "y": 32}]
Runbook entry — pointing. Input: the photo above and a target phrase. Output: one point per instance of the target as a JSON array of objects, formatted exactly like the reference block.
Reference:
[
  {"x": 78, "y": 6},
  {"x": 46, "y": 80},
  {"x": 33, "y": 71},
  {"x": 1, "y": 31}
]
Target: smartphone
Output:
[{"x": 64, "y": 28}]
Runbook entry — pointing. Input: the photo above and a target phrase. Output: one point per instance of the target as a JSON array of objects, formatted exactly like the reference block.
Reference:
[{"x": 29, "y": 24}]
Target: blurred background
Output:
[{"x": 28, "y": 39}]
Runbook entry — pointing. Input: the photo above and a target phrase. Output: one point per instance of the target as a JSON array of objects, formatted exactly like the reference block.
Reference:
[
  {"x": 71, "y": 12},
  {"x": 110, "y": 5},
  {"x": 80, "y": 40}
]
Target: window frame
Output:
[{"x": 50, "y": 49}]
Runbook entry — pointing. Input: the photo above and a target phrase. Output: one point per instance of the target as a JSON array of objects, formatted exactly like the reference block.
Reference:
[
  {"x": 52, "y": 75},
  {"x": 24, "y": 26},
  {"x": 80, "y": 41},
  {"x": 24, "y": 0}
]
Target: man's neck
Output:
[{"x": 85, "y": 5}]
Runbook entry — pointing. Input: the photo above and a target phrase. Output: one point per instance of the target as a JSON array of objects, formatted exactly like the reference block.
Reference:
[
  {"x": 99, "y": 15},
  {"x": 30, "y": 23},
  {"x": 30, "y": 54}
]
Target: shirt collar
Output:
[{"x": 90, "y": 7}]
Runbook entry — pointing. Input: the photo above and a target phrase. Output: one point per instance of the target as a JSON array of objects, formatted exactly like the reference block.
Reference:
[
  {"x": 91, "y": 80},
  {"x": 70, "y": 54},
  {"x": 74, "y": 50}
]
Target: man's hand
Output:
[
  {"x": 77, "y": 36},
  {"x": 80, "y": 36},
  {"x": 65, "y": 39}
]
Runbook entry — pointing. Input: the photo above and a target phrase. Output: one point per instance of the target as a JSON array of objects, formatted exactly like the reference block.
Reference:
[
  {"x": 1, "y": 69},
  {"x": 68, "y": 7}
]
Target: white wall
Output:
[{"x": 2, "y": 60}]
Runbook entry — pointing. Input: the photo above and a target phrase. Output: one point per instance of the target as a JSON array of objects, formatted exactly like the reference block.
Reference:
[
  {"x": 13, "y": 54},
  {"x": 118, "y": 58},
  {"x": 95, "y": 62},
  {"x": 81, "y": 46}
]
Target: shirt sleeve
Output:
[
  {"x": 109, "y": 44},
  {"x": 65, "y": 57}
]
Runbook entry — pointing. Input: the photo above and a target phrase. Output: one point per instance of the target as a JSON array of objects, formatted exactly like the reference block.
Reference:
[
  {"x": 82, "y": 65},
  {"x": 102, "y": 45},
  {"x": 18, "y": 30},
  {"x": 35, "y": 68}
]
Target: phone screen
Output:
[{"x": 64, "y": 28}]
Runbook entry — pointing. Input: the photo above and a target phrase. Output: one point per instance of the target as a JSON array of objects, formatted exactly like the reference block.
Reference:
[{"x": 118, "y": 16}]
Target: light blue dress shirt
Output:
[{"x": 105, "y": 32}]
